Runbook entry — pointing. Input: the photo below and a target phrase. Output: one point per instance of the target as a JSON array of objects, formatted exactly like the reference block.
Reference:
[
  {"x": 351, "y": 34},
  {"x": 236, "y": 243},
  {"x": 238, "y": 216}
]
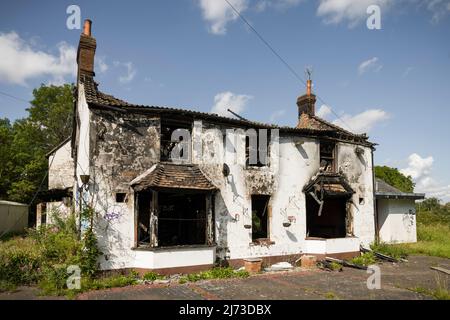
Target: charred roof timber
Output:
[{"x": 308, "y": 125}]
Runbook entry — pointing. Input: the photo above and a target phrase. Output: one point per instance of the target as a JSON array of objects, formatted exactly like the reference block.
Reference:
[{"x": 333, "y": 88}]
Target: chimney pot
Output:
[
  {"x": 87, "y": 27},
  {"x": 86, "y": 51},
  {"x": 306, "y": 103}
]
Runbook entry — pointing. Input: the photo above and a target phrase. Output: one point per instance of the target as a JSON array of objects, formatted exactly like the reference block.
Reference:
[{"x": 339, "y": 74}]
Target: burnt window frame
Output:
[
  {"x": 267, "y": 218},
  {"x": 148, "y": 218},
  {"x": 258, "y": 163},
  {"x": 120, "y": 197},
  {"x": 173, "y": 124},
  {"x": 332, "y": 158}
]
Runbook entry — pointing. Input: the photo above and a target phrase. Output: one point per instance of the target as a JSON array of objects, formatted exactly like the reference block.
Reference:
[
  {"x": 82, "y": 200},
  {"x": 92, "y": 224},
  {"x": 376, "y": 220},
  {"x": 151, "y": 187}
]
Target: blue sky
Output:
[{"x": 392, "y": 83}]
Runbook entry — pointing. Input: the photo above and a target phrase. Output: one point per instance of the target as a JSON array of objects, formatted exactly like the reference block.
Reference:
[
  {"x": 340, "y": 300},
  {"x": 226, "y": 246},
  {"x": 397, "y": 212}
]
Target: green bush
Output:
[
  {"x": 215, "y": 273},
  {"x": 365, "y": 259},
  {"x": 89, "y": 254},
  {"x": 20, "y": 261},
  {"x": 54, "y": 279},
  {"x": 43, "y": 255},
  {"x": 152, "y": 276},
  {"x": 108, "y": 282}
]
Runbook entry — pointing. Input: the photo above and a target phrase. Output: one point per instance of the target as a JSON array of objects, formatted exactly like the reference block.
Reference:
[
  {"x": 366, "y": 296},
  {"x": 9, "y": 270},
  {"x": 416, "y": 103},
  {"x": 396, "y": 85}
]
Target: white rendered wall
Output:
[
  {"x": 397, "y": 220},
  {"x": 359, "y": 172},
  {"x": 290, "y": 168},
  {"x": 61, "y": 168}
]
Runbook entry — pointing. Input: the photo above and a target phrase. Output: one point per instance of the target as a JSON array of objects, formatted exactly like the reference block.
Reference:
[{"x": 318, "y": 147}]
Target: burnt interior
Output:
[
  {"x": 260, "y": 217},
  {"x": 168, "y": 127},
  {"x": 332, "y": 220},
  {"x": 144, "y": 200},
  {"x": 327, "y": 156},
  {"x": 182, "y": 219}
]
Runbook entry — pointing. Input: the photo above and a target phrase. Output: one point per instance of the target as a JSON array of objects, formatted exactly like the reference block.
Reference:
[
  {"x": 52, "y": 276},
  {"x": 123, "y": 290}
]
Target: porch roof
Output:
[
  {"x": 173, "y": 176},
  {"x": 332, "y": 184}
]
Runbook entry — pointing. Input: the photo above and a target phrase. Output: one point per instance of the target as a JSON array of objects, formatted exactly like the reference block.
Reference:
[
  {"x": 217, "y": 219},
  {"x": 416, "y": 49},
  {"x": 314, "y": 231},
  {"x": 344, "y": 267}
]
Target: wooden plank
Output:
[
  {"x": 443, "y": 270},
  {"x": 345, "y": 263}
]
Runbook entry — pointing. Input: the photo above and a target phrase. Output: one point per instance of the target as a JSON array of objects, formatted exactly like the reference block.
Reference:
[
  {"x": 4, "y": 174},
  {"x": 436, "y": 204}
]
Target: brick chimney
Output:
[
  {"x": 306, "y": 103},
  {"x": 86, "y": 51}
]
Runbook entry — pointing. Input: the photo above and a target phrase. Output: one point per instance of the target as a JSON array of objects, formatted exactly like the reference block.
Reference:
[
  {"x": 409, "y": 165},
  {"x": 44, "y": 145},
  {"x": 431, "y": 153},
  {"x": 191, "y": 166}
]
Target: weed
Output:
[
  {"x": 215, "y": 273},
  {"x": 365, "y": 259},
  {"x": 152, "y": 276}
]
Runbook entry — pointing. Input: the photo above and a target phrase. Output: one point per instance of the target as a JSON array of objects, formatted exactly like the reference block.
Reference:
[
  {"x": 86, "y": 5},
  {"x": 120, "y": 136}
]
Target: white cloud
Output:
[
  {"x": 438, "y": 8},
  {"x": 351, "y": 11},
  {"x": 418, "y": 167},
  {"x": 130, "y": 71},
  {"x": 362, "y": 122},
  {"x": 20, "y": 62},
  {"x": 324, "y": 111},
  {"x": 407, "y": 71},
  {"x": 277, "y": 4},
  {"x": 420, "y": 170},
  {"x": 101, "y": 64},
  {"x": 228, "y": 100},
  {"x": 218, "y": 13},
  {"x": 372, "y": 64},
  {"x": 355, "y": 11}
]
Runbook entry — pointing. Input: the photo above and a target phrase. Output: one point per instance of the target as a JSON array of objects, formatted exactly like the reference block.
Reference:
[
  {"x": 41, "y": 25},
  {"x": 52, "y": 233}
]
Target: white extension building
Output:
[{"x": 396, "y": 212}]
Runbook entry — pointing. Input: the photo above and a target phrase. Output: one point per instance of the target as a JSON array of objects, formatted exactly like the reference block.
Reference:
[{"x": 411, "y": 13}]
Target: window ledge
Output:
[
  {"x": 171, "y": 248},
  {"x": 262, "y": 242}
]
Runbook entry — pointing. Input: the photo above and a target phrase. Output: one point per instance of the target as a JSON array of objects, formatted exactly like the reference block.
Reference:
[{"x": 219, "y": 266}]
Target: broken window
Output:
[
  {"x": 144, "y": 207},
  {"x": 260, "y": 217},
  {"x": 257, "y": 147},
  {"x": 120, "y": 197},
  {"x": 182, "y": 219},
  {"x": 328, "y": 214},
  {"x": 44, "y": 214},
  {"x": 173, "y": 218},
  {"x": 328, "y": 221},
  {"x": 327, "y": 156},
  {"x": 175, "y": 140}
]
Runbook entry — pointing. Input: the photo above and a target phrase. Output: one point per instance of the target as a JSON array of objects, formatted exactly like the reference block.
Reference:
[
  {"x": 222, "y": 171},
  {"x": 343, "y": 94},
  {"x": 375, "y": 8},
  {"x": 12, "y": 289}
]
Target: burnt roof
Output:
[
  {"x": 173, "y": 176},
  {"x": 309, "y": 125},
  {"x": 384, "y": 190},
  {"x": 332, "y": 184}
]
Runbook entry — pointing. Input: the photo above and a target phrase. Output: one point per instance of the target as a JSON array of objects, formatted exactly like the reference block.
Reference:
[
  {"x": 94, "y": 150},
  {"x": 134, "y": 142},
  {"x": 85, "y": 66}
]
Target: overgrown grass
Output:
[
  {"x": 152, "y": 276},
  {"x": 365, "y": 259},
  {"x": 395, "y": 251},
  {"x": 440, "y": 292},
  {"x": 43, "y": 256},
  {"x": 215, "y": 273}
]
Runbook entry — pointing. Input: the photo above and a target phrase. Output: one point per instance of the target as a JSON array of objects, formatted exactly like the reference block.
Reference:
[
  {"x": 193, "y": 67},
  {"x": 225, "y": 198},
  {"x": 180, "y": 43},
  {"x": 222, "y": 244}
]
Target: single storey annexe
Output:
[{"x": 396, "y": 212}]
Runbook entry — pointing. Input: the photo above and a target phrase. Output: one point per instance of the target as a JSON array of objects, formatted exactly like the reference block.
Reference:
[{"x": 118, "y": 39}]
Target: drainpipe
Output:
[{"x": 375, "y": 208}]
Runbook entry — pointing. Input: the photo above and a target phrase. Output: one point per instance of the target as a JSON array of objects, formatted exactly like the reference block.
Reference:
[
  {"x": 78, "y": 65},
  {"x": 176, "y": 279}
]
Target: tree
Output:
[
  {"x": 48, "y": 124},
  {"x": 430, "y": 204},
  {"x": 51, "y": 110},
  {"x": 6, "y": 138},
  {"x": 395, "y": 178}
]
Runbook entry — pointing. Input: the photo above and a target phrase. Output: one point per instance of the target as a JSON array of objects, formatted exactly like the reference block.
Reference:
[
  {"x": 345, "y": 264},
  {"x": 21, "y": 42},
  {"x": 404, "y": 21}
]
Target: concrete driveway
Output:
[{"x": 401, "y": 281}]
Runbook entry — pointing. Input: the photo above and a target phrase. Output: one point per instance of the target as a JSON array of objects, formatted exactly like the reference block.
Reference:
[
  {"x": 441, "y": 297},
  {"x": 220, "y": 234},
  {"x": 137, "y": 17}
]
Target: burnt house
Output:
[{"x": 175, "y": 188}]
